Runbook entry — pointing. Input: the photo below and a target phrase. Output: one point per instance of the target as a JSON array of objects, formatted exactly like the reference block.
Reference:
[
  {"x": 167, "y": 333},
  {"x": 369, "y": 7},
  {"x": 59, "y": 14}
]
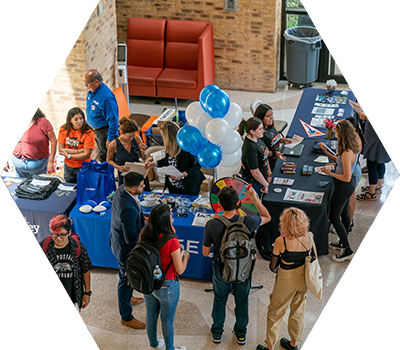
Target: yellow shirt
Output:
[{"x": 46, "y": 339}]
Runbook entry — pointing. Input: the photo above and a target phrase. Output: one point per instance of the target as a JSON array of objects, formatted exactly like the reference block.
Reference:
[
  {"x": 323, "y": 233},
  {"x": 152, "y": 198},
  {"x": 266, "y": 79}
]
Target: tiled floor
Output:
[{"x": 193, "y": 317}]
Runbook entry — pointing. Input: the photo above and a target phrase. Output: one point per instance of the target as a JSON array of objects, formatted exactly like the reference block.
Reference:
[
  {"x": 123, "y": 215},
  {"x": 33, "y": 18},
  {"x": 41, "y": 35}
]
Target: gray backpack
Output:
[{"x": 237, "y": 253}]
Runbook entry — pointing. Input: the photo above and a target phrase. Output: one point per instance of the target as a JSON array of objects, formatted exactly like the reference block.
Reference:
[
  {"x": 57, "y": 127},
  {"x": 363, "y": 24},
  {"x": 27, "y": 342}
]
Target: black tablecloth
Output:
[
  {"x": 317, "y": 213},
  {"x": 305, "y": 107}
]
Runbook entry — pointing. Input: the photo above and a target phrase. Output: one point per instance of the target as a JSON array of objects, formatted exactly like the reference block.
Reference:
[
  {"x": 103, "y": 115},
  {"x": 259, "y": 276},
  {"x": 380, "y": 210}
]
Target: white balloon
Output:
[
  {"x": 202, "y": 122},
  {"x": 217, "y": 130},
  {"x": 192, "y": 112},
  {"x": 234, "y": 115},
  {"x": 232, "y": 143},
  {"x": 231, "y": 159}
]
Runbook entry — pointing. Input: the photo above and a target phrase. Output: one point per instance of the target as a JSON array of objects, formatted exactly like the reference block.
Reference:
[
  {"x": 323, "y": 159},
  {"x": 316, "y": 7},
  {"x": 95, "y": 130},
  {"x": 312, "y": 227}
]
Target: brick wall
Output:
[
  {"x": 246, "y": 43},
  {"x": 45, "y": 51}
]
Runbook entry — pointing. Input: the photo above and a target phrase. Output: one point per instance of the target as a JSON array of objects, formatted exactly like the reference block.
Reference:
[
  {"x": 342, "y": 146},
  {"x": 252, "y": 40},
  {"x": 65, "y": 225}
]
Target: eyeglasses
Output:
[
  {"x": 60, "y": 235},
  {"x": 88, "y": 82}
]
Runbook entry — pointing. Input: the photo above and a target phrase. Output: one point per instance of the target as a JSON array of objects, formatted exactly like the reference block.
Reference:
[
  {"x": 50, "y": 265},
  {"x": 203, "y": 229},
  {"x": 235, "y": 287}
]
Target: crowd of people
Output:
[{"x": 117, "y": 142}]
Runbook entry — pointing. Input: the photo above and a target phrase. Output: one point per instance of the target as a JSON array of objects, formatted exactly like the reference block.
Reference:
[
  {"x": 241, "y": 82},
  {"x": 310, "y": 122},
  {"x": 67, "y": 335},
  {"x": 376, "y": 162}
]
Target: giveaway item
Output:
[
  {"x": 25, "y": 293},
  {"x": 37, "y": 187},
  {"x": 86, "y": 209},
  {"x": 313, "y": 273},
  {"x": 95, "y": 182},
  {"x": 99, "y": 208}
]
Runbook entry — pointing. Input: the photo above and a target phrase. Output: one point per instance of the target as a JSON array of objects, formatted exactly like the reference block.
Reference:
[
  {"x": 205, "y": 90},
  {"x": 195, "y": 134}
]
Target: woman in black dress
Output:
[
  {"x": 128, "y": 147},
  {"x": 255, "y": 168}
]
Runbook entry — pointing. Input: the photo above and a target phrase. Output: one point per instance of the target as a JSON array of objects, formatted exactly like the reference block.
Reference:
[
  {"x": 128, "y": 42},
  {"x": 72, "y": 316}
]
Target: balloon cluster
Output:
[{"x": 210, "y": 130}]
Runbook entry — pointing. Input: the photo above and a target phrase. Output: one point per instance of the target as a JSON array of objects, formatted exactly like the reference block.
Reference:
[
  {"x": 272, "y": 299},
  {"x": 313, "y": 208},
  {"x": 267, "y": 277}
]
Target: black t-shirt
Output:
[
  {"x": 215, "y": 229},
  {"x": 64, "y": 269},
  {"x": 271, "y": 138},
  {"x": 254, "y": 156}
]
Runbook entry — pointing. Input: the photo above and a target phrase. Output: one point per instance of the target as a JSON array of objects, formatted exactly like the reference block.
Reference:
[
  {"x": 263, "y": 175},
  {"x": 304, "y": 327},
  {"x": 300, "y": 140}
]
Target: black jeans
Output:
[
  {"x": 101, "y": 139},
  {"x": 339, "y": 212},
  {"x": 71, "y": 174}
]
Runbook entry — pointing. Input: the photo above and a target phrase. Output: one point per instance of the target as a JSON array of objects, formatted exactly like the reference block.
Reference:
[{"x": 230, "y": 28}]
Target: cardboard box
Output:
[
  {"x": 5, "y": 94},
  {"x": 207, "y": 184}
]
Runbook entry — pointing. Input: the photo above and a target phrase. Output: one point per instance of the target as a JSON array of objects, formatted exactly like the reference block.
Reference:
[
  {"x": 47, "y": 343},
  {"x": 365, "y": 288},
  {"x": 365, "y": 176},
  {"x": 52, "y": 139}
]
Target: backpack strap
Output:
[
  {"x": 164, "y": 239},
  {"x": 78, "y": 251},
  {"x": 224, "y": 220},
  {"x": 46, "y": 243}
]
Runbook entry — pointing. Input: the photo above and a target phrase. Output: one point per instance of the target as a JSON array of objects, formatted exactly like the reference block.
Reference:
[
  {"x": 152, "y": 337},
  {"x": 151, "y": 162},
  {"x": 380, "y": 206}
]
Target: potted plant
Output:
[{"x": 330, "y": 128}]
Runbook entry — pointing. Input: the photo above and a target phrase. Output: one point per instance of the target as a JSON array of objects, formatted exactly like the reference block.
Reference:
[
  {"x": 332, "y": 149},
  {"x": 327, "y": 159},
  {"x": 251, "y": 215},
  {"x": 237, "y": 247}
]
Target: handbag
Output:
[
  {"x": 95, "y": 182},
  {"x": 25, "y": 293},
  {"x": 313, "y": 273}
]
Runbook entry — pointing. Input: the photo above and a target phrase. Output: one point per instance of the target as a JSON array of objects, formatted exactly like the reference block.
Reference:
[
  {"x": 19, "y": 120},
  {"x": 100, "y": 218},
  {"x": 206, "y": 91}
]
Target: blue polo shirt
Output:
[{"x": 102, "y": 110}]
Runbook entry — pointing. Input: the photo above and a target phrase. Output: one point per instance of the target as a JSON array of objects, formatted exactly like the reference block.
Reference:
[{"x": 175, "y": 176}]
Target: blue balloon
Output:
[
  {"x": 189, "y": 139},
  {"x": 204, "y": 93},
  {"x": 218, "y": 103},
  {"x": 210, "y": 155}
]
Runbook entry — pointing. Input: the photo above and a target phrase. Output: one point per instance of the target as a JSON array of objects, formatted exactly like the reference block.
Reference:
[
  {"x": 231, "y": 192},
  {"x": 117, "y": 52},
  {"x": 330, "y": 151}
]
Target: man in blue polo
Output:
[{"x": 101, "y": 111}]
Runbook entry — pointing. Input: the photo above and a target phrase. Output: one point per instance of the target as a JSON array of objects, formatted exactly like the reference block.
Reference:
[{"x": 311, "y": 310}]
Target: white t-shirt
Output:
[{"x": 8, "y": 278}]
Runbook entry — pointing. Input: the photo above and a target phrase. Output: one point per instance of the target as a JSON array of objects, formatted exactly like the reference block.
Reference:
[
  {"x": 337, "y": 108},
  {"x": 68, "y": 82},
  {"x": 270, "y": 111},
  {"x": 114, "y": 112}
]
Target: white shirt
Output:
[{"x": 8, "y": 278}]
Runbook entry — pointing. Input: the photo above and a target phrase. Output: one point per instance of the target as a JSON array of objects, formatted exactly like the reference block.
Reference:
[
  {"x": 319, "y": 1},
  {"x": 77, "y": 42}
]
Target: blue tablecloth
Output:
[
  {"x": 39, "y": 213},
  {"x": 305, "y": 107},
  {"x": 94, "y": 232}
]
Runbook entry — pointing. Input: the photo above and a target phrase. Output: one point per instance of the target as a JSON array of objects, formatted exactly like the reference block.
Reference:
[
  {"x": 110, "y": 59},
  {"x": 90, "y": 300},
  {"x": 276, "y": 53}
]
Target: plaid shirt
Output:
[{"x": 80, "y": 266}]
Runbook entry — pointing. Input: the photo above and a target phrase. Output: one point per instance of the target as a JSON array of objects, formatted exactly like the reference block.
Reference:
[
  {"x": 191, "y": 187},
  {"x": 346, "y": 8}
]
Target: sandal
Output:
[
  {"x": 366, "y": 189},
  {"x": 367, "y": 196}
]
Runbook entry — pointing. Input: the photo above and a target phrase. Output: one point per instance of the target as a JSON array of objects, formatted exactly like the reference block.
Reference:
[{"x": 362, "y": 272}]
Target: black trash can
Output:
[{"x": 303, "y": 45}]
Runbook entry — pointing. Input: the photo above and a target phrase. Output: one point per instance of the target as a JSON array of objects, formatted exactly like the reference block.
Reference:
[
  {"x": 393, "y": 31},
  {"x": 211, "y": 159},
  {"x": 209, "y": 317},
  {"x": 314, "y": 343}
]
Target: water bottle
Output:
[{"x": 157, "y": 273}]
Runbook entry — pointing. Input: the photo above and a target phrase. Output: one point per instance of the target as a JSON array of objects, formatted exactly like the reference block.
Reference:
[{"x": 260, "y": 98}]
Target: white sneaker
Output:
[
  {"x": 160, "y": 345},
  {"x": 180, "y": 347}
]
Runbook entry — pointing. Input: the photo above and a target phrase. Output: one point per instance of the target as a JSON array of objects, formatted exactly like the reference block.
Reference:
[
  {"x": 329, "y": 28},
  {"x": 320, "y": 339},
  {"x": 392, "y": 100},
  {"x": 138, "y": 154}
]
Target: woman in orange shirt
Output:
[{"x": 76, "y": 142}]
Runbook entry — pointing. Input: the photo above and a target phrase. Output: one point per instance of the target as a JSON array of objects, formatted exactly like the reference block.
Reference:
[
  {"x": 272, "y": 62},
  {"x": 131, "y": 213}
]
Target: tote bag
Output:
[
  {"x": 313, "y": 273},
  {"x": 95, "y": 182}
]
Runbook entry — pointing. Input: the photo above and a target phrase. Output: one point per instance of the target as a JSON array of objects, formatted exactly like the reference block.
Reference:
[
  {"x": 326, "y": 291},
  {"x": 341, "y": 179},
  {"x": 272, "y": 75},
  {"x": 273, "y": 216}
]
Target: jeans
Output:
[
  {"x": 221, "y": 292},
  {"x": 125, "y": 293},
  {"x": 71, "y": 174},
  {"x": 53, "y": 314},
  {"x": 101, "y": 140},
  {"x": 164, "y": 300},
  {"x": 24, "y": 168},
  {"x": 11, "y": 304},
  {"x": 376, "y": 171},
  {"x": 339, "y": 213}
]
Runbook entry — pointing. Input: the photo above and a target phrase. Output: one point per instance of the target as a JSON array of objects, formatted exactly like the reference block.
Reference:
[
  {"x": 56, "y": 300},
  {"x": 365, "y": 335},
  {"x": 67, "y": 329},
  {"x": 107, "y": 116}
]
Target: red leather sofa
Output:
[{"x": 169, "y": 58}]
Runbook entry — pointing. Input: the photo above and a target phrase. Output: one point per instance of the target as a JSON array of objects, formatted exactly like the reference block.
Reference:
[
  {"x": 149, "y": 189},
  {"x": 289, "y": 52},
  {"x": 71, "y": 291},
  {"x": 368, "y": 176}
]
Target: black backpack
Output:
[
  {"x": 237, "y": 254},
  {"x": 396, "y": 126},
  {"x": 141, "y": 262}
]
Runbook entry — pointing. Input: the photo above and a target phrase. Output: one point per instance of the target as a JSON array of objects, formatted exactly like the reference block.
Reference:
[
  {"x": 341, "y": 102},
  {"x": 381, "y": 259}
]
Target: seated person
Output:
[{"x": 27, "y": 335}]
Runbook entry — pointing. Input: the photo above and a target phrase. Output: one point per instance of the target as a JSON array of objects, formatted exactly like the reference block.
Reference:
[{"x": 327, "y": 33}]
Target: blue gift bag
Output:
[{"x": 95, "y": 182}]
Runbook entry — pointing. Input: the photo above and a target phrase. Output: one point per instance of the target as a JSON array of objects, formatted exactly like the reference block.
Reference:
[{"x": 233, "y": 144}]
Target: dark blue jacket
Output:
[
  {"x": 126, "y": 223},
  {"x": 102, "y": 110}
]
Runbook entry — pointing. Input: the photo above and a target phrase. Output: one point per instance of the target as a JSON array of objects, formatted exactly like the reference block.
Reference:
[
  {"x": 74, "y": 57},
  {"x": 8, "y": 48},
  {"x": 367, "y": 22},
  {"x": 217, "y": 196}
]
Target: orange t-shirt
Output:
[{"x": 76, "y": 140}]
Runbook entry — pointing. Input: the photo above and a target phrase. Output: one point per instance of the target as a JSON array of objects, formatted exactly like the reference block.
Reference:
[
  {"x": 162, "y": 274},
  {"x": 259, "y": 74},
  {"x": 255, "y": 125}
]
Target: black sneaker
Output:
[
  {"x": 351, "y": 226},
  {"x": 336, "y": 245},
  {"x": 261, "y": 347},
  {"x": 285, "y": 344},
  {"x": 241, "y": 339},
  {"x": 216, "y": 338},
  {"x": 345, "y": 254}
]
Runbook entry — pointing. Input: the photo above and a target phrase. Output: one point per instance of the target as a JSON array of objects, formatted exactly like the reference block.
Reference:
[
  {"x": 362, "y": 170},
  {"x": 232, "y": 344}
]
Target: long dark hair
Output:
[
  {"x": 35, "y": 113},
  {"x": 159, "y": 222},
  {"x": 260, "y": 113},
  {"x": 246, "y": 126},
  {"x": 71, "y": 113},
  {"x": 353, "y": 121}
]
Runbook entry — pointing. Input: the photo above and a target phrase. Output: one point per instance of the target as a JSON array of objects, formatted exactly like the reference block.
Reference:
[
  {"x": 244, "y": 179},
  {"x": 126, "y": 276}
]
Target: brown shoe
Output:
[
  {"x": 135, "y": 301},
  {"x": 134, "y": 324}
]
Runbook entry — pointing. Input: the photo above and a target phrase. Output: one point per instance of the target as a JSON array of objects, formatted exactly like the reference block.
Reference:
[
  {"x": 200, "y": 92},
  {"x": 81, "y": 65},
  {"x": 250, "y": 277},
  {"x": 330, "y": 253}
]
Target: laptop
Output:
[{"x": 293, "y": 152}]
